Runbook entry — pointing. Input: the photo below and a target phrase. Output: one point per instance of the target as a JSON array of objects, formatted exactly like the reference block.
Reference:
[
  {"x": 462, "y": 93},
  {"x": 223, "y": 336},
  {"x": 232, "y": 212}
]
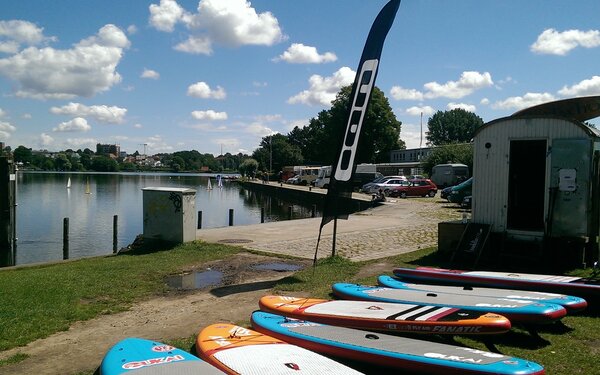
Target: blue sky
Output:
[{"x": 214, "y": 75}]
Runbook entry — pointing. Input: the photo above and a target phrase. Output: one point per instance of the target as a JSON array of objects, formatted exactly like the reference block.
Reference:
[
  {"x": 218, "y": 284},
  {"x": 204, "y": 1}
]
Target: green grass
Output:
[{"x": 39, "y": 301}]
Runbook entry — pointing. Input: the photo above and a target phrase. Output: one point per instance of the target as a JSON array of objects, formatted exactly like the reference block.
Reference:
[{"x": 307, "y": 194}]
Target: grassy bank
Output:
[{"x": 39, "y": 301}]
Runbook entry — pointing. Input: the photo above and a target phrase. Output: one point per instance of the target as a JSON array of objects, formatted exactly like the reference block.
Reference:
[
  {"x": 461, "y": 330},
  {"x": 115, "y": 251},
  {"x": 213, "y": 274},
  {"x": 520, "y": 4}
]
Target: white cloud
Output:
[
  {"x": 584, "y": 88},
  {"x": 165, "y": 16},
  {"x": 157, "y": 144},
  {"x": 138, "y": 126},
  {"x": 298, "y": 53},
  {"x": 76, "y": 143},
  {"x": 466, "y": 107},
  {"x": 484, "y": 101},
  {"x": 132, "y": 29},
  {"x": 102, "y": 113},
  {"x": 84, "y": 70},
  {"x": 9, "y": 47},
  {"x": 468, "y": 83},
  {"x": 400, "y": 93},
  {"x": 203, "y": 90},
  {"x": 196, "y": 45},
  {"x": 2, "y": 112},
  {"x": 151, "y": 74},
  {"x": 525, "y": 101},
  {"x": 416, "y": 111},
  {"x": 6, "y": 129},
  {"x": 323, "y": 90},
  {"x": 22, "y": 32},
  {"x": 78, "y": 124},
  {"x": 553, "y": 42},
  {"x": 231, "y": 23},
  {"x": 209, "y": 115},
  {"x": 45, "y": 140}
]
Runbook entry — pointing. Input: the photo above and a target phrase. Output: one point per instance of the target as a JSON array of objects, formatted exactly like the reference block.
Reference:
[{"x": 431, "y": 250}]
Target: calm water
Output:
[{"x": 43, "y": 200}]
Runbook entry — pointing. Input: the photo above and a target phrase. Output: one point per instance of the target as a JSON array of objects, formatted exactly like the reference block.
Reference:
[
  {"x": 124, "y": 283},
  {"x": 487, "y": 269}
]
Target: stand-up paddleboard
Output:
[
  {"x": 418, "y": 318},
  {"x": 571, "y": 303},
  {"x": 516, "y": 310},
  {"x": 417, "y": 356},
  {"x": 238, "y": 350},
  {"x": 570, "y": 285},
  {"x": 144, "y": 357}
]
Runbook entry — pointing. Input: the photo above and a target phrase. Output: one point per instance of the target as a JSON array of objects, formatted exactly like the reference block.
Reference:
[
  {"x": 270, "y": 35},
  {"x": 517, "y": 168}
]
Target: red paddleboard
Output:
[{"x": 397, "y": 317}]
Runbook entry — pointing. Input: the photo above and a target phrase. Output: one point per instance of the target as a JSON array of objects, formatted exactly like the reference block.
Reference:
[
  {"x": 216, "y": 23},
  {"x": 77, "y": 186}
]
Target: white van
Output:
[
  {"x": 308, "y": 175},
  {"x": 444, "y": 175},
  {"x": 364, "y": 173}
]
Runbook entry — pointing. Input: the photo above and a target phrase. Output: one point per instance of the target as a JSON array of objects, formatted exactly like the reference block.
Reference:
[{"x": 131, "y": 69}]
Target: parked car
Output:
[
  {"x": 367, "y": 188},
  {"x": 387, "y": 185},
  {"x": 415, "y": 188},
  {"x": 446, "y": 192},
  {"x": 466, "y": 203},
  {"x": 293, "y": 180},
  {"x": 460, "y": 191}
]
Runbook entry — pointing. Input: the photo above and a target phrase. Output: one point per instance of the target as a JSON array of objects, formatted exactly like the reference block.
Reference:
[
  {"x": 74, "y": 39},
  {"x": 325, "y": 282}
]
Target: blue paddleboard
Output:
[
  {"x": 571, "y": 303},
  {"x": 516, "y": 310},
  {"x": 144, "y": 357},
  {"x": 407, "y": 354}
]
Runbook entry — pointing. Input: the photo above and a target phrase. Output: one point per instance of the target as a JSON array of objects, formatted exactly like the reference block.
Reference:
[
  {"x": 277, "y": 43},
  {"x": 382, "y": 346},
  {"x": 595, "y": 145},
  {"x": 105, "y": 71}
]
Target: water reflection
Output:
[{"x": 43, "y": 200}]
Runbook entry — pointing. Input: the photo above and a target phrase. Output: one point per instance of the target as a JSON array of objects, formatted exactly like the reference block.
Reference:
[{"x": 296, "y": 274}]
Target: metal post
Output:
[
  {"x": 290, "y": 212},
  {"x": 262, "y": 215},
  {"x": 313, "y": 212},
  {"x": 65, "y": 238},
  {"x": 231, "y": 217},
  {"x": 115, "y": 233},
  {"x": 199, "y": 219}
]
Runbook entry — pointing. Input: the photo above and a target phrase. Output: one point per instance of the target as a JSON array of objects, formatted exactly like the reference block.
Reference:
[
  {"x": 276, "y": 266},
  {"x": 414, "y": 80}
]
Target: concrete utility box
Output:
[{"x": 169, "y": 214}]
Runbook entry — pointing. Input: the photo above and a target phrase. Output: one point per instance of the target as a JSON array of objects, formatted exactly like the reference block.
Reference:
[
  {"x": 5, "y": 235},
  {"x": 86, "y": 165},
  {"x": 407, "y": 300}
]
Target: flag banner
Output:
[{"x": 339, "y": 195}]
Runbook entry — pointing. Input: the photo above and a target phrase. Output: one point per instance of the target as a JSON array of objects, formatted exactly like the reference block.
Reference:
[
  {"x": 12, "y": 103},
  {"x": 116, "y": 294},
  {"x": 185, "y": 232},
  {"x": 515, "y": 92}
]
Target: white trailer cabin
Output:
[{"x": 536, "y": 178}]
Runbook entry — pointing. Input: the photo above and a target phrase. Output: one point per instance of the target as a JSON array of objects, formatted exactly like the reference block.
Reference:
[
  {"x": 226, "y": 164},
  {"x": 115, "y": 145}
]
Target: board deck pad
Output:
[
  {"x": 145, "y": 357},
  {"x": 392, "y": 351},
  {"x": 571, "y": 303},
  {"x": 516, "y": 310},
  {"x": 420, "y": 318},
  {"x": 238, "y": 350},
  {"x": 570, "y": 285}
]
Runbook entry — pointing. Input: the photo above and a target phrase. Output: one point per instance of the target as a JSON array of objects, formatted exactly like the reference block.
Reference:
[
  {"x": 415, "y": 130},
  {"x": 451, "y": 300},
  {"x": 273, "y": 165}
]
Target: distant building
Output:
[
  {"x": 409, "y": 155},
  {"x": 106, "y": 149}
]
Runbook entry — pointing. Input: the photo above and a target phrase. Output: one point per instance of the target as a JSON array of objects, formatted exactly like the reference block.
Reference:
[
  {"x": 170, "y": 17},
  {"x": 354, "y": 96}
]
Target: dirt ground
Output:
[{"x": 176, "y": 314}]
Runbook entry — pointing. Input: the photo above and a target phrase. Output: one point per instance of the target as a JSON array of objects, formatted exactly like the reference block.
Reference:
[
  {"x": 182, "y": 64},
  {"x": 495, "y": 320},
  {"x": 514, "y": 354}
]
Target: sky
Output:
[{"x": 217, "y": 76}]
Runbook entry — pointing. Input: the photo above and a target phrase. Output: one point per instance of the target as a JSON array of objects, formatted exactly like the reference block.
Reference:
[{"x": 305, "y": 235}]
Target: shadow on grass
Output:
[
  {"x": 139, "y": 246},
  {"x": 514, "y": 338},
  {"x": 251, "y": 287}
]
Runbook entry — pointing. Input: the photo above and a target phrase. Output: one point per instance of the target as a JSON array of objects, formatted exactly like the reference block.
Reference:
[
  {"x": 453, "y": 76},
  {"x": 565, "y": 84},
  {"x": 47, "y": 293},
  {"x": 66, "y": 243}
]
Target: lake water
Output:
[{"x": 43, "y": 201}]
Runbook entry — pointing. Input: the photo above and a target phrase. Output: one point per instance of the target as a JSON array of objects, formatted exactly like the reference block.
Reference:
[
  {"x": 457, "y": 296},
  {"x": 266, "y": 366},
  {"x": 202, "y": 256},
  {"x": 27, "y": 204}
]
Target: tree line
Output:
[{"x": 315, "y": 143}]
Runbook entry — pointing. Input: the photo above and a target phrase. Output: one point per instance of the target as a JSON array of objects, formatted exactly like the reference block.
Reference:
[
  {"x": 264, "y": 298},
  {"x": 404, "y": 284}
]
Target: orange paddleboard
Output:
[
  {"x": 238, "y": 350},
  {"x": 398, "y": 317}
]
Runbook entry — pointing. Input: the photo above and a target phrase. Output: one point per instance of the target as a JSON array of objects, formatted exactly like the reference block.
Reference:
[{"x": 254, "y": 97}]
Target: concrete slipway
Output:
[{"x": 395, "y": 227}]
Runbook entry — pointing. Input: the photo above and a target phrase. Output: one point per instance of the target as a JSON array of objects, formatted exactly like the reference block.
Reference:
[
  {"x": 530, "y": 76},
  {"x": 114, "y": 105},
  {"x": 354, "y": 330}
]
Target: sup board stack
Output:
[
  {"x": 516, "y": 310},
  {"x": 388, "y": 350},
  {"x": 571, "y": 303},
  {"x": 238, "y": 350},
  {"x": 569, "y": 285},
  {"x": 145, "y": 357},
  {"x": 397, "y": 317}
]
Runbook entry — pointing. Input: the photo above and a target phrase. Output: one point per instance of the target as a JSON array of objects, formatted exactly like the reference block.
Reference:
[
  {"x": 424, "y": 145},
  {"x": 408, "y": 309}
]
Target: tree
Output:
[
  {"x": 62, "y": 163},
  {"x": 451, "y": 153},
  {"x": 22, "y": 154},
  {"x": 455, "y": 126},
  {"x": 380, "y": 131},
  {"x": 104, "y": 164},
  {"x": 275, "y": 152},
  {"x": 248, "y": 167}
]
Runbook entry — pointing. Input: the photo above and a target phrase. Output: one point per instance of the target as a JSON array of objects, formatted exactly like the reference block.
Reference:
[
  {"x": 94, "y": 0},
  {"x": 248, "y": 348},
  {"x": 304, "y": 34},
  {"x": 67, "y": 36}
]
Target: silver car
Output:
[{"x": 366, "y": 188}]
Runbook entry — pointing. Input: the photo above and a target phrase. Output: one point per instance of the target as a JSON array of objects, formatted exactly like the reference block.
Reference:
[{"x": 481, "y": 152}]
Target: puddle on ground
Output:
[
  {"x": 278, "y": 267},
  {"x": 195, "y": 280}
]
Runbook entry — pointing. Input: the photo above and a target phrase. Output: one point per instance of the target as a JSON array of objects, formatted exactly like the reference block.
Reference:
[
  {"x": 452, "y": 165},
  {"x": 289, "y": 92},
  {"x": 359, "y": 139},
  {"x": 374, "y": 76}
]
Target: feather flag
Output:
[{"x": 337, "y": 202}]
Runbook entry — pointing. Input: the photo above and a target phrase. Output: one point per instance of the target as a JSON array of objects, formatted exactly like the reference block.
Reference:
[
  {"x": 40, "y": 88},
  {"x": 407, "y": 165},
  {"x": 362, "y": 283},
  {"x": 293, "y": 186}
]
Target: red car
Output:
[{"x": 415, "y": 188}]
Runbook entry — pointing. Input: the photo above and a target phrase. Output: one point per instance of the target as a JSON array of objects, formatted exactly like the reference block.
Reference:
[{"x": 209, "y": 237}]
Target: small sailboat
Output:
[
  {"x": 69, "y": 183},
  {"x": 87, "y": 187},
  {"x": 219, "y": 181},
  {"x": 209, "y": 187}
]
